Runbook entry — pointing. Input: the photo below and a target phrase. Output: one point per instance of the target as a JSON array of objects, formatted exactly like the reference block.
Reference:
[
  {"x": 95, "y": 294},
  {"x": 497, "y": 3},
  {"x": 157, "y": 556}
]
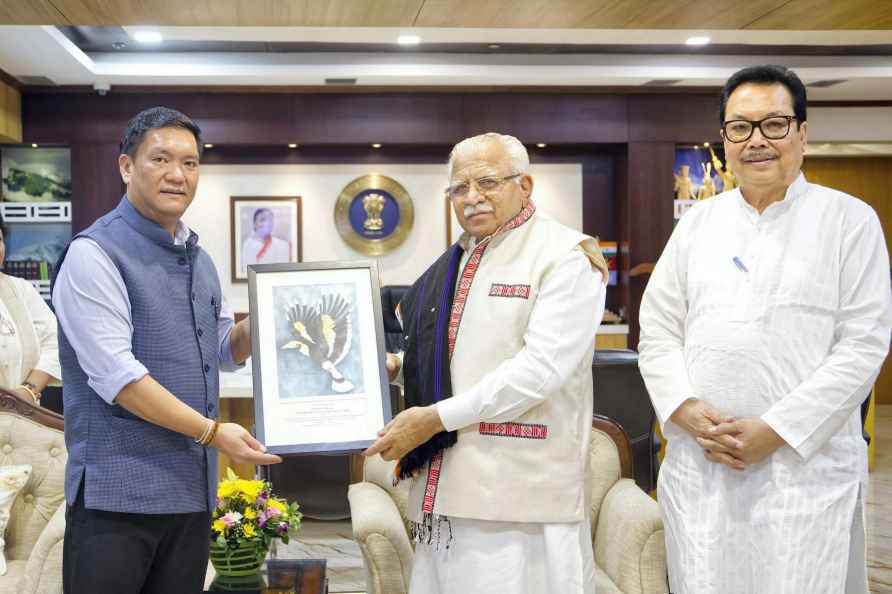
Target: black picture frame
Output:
[{"x": 264, "y": 327}]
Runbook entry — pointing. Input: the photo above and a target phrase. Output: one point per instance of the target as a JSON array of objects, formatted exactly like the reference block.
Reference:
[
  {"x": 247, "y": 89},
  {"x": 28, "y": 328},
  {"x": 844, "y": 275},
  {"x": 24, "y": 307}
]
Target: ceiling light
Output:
[
  {"x": 705, "y": 145},
  {"x": 541, "y": 145},
  {"x": 376, "y": 145},
  {"x": 147, "y": 36},
  {"x": 33, "y": 145},
  {"x": 208, "y": 145},
  {"x": 697, "y": 40},
  {"x": 408, "y": 40},
  {"x": 292, "y": 145},
  {"x": 494, "y": 46}
]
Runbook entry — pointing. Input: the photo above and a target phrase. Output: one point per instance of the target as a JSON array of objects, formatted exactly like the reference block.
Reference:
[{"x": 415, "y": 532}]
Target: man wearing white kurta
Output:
[
  {"x": 763, "y": 328},
  {"x": 497, "y": 446}
]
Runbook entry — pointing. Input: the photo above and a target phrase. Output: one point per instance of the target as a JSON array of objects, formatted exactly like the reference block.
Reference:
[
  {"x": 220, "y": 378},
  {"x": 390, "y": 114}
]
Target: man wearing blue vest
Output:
[{"x": 143, "y": 331}]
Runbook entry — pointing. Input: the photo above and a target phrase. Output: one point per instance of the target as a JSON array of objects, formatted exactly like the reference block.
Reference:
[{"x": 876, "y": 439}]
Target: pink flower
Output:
[
  {"x": 231, "y": 518},
  {"x": 282, "y": 528}
]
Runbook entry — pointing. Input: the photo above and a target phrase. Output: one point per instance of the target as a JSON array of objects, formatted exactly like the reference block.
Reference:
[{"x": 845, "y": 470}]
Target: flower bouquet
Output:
[{"x": 247, "y": 518}]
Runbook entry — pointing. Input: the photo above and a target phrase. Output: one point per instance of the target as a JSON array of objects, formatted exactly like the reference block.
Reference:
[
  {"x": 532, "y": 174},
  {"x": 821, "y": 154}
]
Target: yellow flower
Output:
[
  {"x": 275, "y": 503},
  {"x": 227, "y": 489},
  {"x": 249, "y": 530},
  {"x": 250, "y": 513},
  {"x": 219, "y": 526},
  {"x": 251, "y": 489}
]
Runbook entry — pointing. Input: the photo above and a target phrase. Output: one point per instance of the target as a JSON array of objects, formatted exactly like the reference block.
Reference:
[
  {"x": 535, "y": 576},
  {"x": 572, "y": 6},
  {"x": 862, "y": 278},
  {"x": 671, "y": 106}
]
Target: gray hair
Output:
[{"x": 517, "y": 153}]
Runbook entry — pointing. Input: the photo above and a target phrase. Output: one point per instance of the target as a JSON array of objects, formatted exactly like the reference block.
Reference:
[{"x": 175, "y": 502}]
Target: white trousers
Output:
[{"x": 507, "y": 558}]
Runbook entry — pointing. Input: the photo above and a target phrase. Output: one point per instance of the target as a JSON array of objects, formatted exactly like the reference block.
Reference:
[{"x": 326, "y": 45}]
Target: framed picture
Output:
[
  {"x": 317, "y": 336},
  {"x": 263, "y": 230},
  {"x": 35, "y": 174}
]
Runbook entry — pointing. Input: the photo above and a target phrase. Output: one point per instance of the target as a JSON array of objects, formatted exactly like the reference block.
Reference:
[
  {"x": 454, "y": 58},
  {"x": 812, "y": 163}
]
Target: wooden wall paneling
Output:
[
  {"x": 717, "y": 14},
  {"x": 315, "y": 13},
  {"x": 820, "y": 15},
  {"x": 96, "y": 182},
  {"x": 674, "y": 118},
  {"x": 507, "y": 13},
  {"x": 647, "y": 219},
  {"x": 10, "y": 114},
  {"x": 30, "y": 12},
  {"x": 870, "y": 179},
  {"x": 410, "y": 118},
  {"x": 621, "y": 296},
  {"x": 385, "y": 118},
  {"x": 548, "y": 118},
  {"x": 592, "y": 14},
  {"x": 63, "y": 118}
]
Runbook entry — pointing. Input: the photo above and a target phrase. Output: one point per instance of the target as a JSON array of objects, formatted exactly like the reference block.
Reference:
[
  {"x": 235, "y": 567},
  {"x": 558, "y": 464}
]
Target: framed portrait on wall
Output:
[
  {"x": 264, "y": 230},
  {"x": 318, "y": 357}
]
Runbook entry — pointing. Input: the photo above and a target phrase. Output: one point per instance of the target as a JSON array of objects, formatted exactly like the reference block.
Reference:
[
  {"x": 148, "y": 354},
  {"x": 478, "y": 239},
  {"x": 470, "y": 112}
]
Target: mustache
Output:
[
  {"x": 479, "y": 209},
  {"x": 758, "y": 156}
]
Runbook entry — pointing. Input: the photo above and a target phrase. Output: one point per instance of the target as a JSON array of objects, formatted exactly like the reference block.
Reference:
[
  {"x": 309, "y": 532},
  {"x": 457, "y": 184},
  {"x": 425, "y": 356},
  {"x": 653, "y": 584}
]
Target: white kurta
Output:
[
  {"x": 519, "y": 557},
  {"x": 44, "y": 327},
  {"x": 785, "y": 316}
]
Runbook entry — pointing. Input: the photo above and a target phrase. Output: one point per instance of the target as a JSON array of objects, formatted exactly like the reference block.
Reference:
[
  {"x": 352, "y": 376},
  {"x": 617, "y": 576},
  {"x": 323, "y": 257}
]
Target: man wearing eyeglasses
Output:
[
  {"x": 763, "y": 328},
  {"x": 497, "y": 375}
]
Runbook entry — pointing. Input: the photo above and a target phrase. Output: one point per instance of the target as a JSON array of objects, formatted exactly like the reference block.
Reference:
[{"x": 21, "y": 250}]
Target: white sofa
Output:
[
  {"x": 34, "y": 435},
  {"x": 627, "y": 531}
]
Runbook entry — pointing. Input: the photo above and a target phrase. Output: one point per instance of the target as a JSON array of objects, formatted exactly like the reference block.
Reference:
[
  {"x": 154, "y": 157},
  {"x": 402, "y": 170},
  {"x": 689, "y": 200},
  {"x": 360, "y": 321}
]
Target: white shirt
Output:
[
  {"x": 93, "y": 307},
  {"x": 784, "y": 316}
]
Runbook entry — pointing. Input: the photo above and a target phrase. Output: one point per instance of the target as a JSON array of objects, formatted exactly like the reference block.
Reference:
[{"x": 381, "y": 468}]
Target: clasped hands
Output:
[{"x": 736, "y": 443}]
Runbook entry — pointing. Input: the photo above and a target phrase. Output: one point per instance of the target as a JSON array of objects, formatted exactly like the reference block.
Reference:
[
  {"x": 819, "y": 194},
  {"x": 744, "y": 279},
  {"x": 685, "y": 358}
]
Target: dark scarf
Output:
[{"x": 426, "y": 309}]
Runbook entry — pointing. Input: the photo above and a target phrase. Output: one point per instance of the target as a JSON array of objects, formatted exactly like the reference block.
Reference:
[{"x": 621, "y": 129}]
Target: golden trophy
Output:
[
  {"x": 373, "y": 204},
  {"x": 684, "y": 185},
  {"x": 729, "y": 180},
  {"x": 707, "y": 190}
]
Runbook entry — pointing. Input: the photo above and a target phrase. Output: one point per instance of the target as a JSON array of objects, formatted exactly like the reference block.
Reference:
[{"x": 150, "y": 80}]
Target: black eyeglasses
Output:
[{"x": 772, "y": 128}]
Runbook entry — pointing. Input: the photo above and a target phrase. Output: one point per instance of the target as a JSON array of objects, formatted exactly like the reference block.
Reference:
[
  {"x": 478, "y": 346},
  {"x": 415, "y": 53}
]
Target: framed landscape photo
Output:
[
  {"x": 317, "y": 350},
  {"x": 35, "y": 174},
  {"x": 264, "y": 230}
]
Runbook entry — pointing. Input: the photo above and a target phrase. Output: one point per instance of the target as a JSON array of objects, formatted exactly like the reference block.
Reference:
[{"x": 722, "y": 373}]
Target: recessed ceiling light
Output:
[
  {"x": 292, "y": 145},
  {"x": 33, "y": 145},
  {"x": 494, "y": 46},
  {"x": 148, "y": 36},
  {"x": 705, "y": 145},
  {"x": 376, "y": 145},
  {"x": 208, "y": 145},
  {"x": 408, "y": 40},
  {"x": 697, "y": 40},
  {"x": 541, "y": 145}
]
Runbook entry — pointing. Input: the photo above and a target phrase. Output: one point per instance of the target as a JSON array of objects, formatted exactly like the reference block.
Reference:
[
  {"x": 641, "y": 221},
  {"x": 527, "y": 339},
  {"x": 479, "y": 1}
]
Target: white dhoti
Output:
[{"x": 506, "y": 557}]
